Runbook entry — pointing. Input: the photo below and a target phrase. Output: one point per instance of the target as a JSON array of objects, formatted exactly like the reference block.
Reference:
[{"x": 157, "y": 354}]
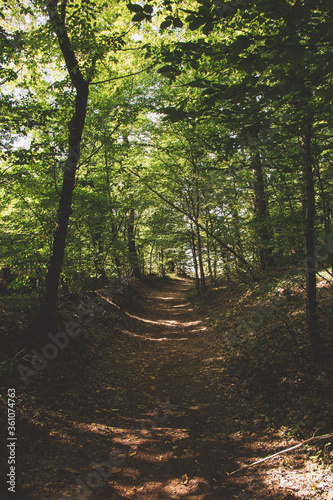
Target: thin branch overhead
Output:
[{"x": 120, "y": 77}]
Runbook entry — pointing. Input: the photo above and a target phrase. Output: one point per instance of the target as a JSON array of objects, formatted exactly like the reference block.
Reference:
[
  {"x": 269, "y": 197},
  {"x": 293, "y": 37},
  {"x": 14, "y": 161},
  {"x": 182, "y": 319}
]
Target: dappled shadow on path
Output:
[
  {"x": 143, "y": 391},
  {"x": 165, "y": 316}
]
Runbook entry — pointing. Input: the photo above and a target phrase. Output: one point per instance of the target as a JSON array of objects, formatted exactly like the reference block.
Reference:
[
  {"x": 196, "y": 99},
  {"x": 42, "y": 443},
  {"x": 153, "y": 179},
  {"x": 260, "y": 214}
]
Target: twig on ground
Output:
[{"x": 307, "y": 441}]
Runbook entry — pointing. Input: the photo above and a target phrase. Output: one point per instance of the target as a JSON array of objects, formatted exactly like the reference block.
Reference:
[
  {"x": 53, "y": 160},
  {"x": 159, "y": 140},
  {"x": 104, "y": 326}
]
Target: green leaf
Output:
[
  {"x": 196, "y": 23},
  {"x": 177, "y": 22},
  {"x": 140, "y": 16},
  {"x": 165, "y": 69},
  {"x": 134, "y": 7},
  {"x": 194, "y": 64},
  {"x": 148, "y": 9},
  {"x": 198, "y": 84},
  {"x": 208, "y": 28},
  {"x": 165, "y": 24}
]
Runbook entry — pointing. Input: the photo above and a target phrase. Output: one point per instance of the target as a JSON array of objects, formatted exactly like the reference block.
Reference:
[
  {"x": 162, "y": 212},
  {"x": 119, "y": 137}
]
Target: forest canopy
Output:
[{"x": 164, "y": 136}]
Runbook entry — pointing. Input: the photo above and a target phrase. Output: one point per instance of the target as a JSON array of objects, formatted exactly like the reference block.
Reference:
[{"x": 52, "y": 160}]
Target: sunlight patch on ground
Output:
[
  {"x": 307, "y": 481},
  {"x": 165, "y": 322},
  {"x": 169, "y": 297},
  {"x": 184, "y": 486},
  {"x": 324, "y": 280},
  {"x": 211, "y": 360},
  {"x": 153, "y": 339},
  {"x": 93, "y": 427}
]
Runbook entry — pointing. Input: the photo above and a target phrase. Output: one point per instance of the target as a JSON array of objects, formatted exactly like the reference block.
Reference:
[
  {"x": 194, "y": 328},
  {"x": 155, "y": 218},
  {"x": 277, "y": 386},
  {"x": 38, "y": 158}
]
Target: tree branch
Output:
[
  {"x": 307, "y": 441},
  {"x": 194, "y": 220},
  {"x": 63, "y": 10},
  {"x": 60, "y": 30},
  {"x": 119, "y": 77}
]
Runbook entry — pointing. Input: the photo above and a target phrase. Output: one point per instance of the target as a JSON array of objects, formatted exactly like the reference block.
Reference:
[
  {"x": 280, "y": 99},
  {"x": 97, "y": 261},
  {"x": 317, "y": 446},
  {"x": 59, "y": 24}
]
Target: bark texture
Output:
[
  {"x": 133, "y": 254},
  {"x": 262, "y": 213},
  {"x": 309, "y": 212}
]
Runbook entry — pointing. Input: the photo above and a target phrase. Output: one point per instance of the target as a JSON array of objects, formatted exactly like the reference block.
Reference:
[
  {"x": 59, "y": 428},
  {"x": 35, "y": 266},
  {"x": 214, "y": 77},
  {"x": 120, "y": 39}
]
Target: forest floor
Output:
[{"x": 149, "y": 387}]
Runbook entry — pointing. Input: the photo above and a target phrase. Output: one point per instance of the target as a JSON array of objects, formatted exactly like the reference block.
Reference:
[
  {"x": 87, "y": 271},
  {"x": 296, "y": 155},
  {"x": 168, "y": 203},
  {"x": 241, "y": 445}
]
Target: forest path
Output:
[
  {"x": 148, "y": 393},
  {"x": 182, "y": 457}
]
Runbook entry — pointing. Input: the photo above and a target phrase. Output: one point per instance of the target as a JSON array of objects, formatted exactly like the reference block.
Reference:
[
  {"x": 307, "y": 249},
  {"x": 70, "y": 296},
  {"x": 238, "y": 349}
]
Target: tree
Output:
[
  {"x": 93, "y": 49},
  {"x": 76, "y": 125}
]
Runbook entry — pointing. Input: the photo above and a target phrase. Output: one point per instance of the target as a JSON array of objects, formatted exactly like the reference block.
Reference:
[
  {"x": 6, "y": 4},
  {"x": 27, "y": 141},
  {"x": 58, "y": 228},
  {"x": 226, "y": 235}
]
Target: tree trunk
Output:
[
  {"x": 237, "y": 224},
  {"x": 326, "y": 212},
  {"x": 142, "y": 260},
  {"x": 133, "y": 255},
  {"x": 99, "y": 259},
  {"x": 201, "y": 267},
  {"x": 329, "y": 236},
  {"x": 195, "y": 262},
  {"x": 262, "y": 214},
  {"x": 309, "y": 212},
  {"x": 161, "y": 259},
  {"x": 65, "y": 204},
  {"x": 114, "y": 228},
  {"x": 209, "y": 261},
  {"x": 151, "y": 258},
  {"x": 215, "y": 262},
  {"x": 209, "y": 246},
  {"x": 76, "y": 125}
]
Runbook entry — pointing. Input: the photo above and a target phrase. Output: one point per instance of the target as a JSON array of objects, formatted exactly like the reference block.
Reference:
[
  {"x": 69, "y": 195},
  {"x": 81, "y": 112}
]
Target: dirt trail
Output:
[
  {"x": 156, "y": 397},
  {"x": 181, "y": 458}
]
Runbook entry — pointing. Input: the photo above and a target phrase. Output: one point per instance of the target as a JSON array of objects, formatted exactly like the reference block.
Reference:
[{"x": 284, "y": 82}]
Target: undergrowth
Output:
[{"x": 271, "y": 355}]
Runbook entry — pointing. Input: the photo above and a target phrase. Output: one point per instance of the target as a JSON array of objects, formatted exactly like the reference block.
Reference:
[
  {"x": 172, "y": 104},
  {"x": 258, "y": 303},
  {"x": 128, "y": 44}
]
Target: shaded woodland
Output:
[{"x": 166, "y": 203}]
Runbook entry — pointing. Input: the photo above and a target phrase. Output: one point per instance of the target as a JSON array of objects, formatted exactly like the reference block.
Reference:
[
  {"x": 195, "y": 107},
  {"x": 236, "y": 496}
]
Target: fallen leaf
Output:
[
  {"x": 185, "y": 479},
  {"x": 115, "y": 470}
]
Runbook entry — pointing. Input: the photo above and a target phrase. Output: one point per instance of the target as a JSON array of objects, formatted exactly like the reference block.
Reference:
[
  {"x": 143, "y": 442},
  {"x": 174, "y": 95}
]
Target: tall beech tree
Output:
[
  {"x": 261, "y": 210},
  {"x": 309, "y": 212},
  {"x": 76, "y": 126},
  {"x": 132, "y": 251},
  {"x": 81, "y": 75}
]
